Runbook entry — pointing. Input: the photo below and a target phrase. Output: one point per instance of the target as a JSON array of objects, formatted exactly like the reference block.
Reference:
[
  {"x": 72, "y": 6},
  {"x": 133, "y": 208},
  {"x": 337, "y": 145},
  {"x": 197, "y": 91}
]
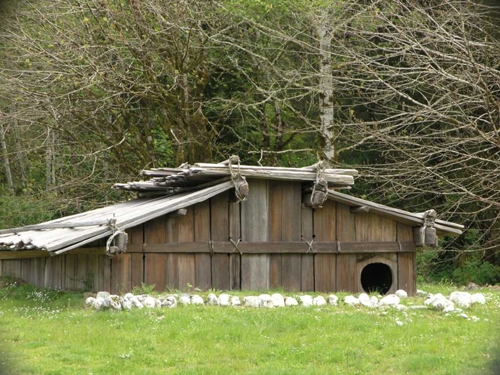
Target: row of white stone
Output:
[{"x": 104, "y": 301}]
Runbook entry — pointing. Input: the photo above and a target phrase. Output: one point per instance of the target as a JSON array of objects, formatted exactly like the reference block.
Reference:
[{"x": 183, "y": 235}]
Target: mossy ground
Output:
[{"x": 50, "y": 332}]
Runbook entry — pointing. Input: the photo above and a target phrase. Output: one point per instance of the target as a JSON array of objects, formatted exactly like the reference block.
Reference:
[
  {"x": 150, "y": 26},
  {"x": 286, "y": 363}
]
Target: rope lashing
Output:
[
  {"x": 211, "y": 245},
  {"x": 427, "y": 235},
  {"x": 309, "y": 244},
  {"x": 235, "y": 244},
  {"x": 338, "y": 246},
  {"x": 121, "y": 239},
  {"x": 320, "y": 187},
  {"x": 399, "y": 245},
  {"x": 240, "y": 183}
]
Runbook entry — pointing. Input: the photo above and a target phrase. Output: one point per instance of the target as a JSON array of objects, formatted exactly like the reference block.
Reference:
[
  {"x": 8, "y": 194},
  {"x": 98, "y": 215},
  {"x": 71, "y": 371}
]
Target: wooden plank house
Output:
[{"x": 229, "y": 227}]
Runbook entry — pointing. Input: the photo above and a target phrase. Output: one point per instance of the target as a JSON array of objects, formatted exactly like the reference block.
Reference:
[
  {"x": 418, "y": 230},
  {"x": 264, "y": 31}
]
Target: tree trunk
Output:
[
  {"x": 50, "y": 173},
  {"x": 326, "y": 86},
  {"x": 6, "y": 162},
  {"x": 19, "y": 150}
]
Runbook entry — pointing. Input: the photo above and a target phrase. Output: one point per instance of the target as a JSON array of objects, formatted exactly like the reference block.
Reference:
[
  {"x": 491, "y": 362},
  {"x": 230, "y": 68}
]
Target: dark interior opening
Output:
[{"x": 376, "y": 277}]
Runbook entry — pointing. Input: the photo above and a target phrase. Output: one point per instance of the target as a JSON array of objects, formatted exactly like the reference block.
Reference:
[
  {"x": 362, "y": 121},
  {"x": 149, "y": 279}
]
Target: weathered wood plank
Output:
[
  {"x": 156, "y": 271},
  {"x": 105, "y": 268},
  {"x": 324, "y": 272},
  {"x": 407, "y": 273},
  {"x": 203, "y": 266},
  {"x": 405, "y": 233},
  {"x": 307, "y": 230},
  {"x": 235, "y": 235},
  {"x": 38, "y": 269},
  {"x": 346, "y": 230},
  {"x": 137, "y": 275},
  {"x": 291, "y": 230},
  {"x": 275, "y": 231},
  {"x": 219, "y": 216},
  {"x": 121, "y": 273},
  {"x": 186, "y": 262},
  {"x": 346, "y": 273},
  {"x": 255, "y": 227},
  {"x": 70, "y": 281},
  {"x": 325, "y": 231}
]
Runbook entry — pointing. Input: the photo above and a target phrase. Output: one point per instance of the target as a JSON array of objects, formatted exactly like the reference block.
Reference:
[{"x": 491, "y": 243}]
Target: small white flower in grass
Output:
[{"x": 399, "y": 323}]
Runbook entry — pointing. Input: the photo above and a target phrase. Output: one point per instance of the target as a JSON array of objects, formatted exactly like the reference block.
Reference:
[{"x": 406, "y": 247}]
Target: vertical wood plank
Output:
[
  {"x": 27, "y": 271},
  {"x": 275, "y": 231},
  {"x": 105, "y": 267},
  {"x": 38, "y": 267},
  {"x": 203, "y": 266},
  {"x": 137, "y": 260},
  {"x": 346, "y": 273},
  {"x": 219, "y": 217},
  {"x": 235, "y": 235},
  {"x": 121, "y": 273},
  {"x": 186, "y": 262},
  {"x": 407, "y": 275},
  {"x": 405, "y": 233},
  {"x": 325, "y": 231},
  {"x": 346, "y": 230},
  {"x": 70, "y": 282},
  {"x": 156, "y": 270},
  {"x": 291, "y": 223},
  {"x": 255, "y": 228},
  {"x": 307, "y": 271}
]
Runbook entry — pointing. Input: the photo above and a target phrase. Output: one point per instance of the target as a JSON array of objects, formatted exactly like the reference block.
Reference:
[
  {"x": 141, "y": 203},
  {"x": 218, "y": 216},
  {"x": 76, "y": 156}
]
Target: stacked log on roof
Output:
[{"x": 174, "y": 180}]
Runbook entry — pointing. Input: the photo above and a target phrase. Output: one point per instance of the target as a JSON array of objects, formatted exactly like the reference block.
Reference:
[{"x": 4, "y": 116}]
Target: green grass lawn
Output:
[{"x": 49, "y": 332}]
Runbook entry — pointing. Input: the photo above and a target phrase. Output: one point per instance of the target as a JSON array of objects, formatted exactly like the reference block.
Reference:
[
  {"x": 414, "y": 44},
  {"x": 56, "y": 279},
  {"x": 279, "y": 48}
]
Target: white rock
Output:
[
  {"x": 98, "y": 303},
  {"x": 224, "y": 299},
  {"x": 351, "y": 300},
  {"x": 464, "y": 316},
  {"x": 126, "y": 304},
  {"x": 475, "y": 318},
  {"x": 212, "y": 300},
  {"x": 184, "y": 300},
  {"x": 89, "y": 301},
  {"x": 449, "y": 309},
  {"x": 113, "y": 302},
  {"x": 266, "y": 301},
  {"x": 374, "y": 301},
  {"x": 399, "y": 323},
  {"x": 306, "y": 300},
  {"x": 462, "y": 299},
  {"x": 401, "y": 307},
  {"x": 478, "y": 298},
  {"x": 102, "y": 295},
  {"x": 169, "y": 302},
  {"x": 364, "y": 299},
  {"x": 438, "y": 302},
  {"x": 235, "y": 301},
  {"x": 252, "y": 301},
  {"x": 333, "y": 300},
  {"x": 128, "y": 296},
  {"x": 319, "y": 301},
  {"x": 136, "y": 303},
  {"x": 278, "y": 300},
  {"x": 196, "y": 300},
  {"x": 290, "y": 301},
  {"x": 141, "y": 298},
  {"x": 401, "y": 293},
  {"x": 158, "y": 302},
  {"x": 390, "y": 300},
  {"x": 149, "y": 302}
]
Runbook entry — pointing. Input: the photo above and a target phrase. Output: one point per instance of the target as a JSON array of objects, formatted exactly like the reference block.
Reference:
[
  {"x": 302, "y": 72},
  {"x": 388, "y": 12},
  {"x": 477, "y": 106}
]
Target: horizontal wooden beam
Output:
[
  {"x": 24, "y": 254},
  {"x": 226, "y": 247}
]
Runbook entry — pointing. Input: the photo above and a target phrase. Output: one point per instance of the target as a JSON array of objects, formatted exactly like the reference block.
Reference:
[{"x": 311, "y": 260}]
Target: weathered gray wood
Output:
[
  {"x": 55, "y": 226},
  {"x": 255, "y": 227},
  {"x": 325, "y": 231},
  {"x": 219, "y": 214},
  {"x": 203, "y": 266},
  {"x": 235, "y": 235}
]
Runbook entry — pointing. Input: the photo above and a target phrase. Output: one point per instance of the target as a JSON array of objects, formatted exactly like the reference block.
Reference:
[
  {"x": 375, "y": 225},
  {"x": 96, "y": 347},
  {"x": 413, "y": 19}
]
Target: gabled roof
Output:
[
  {"x": 93, "y": 225},
  {"x": 405, "y": 217}
]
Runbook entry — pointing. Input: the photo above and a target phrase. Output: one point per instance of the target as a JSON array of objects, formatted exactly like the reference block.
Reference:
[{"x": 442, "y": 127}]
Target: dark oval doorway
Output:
[{"x": 376, "y": 278}]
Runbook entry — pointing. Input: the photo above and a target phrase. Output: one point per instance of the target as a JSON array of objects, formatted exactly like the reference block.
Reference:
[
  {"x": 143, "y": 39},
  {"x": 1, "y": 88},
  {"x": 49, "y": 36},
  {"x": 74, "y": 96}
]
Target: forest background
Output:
[{"x": 93, "y": 91}]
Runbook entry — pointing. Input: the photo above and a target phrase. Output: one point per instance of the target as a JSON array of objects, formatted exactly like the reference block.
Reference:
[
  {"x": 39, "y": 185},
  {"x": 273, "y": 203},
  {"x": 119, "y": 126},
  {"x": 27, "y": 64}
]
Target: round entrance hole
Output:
[{"x": 376, "y": 277}]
